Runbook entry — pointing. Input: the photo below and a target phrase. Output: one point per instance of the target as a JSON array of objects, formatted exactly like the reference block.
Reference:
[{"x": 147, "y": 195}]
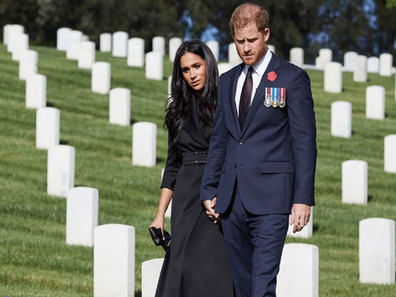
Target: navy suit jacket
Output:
[{"x": 273, "y": 157}]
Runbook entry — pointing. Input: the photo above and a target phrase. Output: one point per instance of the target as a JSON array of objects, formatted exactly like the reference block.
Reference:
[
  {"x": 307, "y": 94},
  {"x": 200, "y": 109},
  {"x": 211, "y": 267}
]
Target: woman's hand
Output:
[{"x": 158, "y": 223}]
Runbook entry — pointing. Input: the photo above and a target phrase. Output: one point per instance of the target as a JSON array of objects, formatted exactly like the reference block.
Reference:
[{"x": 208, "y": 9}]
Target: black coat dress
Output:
[{"x": 197, "y": 264}]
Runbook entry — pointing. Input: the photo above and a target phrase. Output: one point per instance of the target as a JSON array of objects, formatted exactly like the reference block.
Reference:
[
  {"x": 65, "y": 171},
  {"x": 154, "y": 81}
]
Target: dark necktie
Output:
[{"x": 246, "y": 96}]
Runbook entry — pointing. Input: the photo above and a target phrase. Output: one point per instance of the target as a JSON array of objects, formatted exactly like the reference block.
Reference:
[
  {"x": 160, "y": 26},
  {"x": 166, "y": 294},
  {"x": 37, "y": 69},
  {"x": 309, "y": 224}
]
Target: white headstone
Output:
[
  {"x": 360, "y": 72},
  {"x": 297, "y": 56},
  {"x": 120, "y": 40},
  {"x": 114, "y": 261},
  {"x": 306, "y": 232},
  {"x": 101, "y": 77},
  {"x": 120, "y": 106},
  {"x": 62, "y": 37},
  {"x": 159, "y": 45},
  {"x": 168, "y": 212},
  {"x": 373, "y": 65},
  {"x": 223, "y": 67},
  {"x": 105, "y": 42},
  {"x": 299, "y": 271},
  {"x": 13, "y": 34},
  {"x": 154, "y": 66},
  {"x": 326, "y": 56},
  {"x": 377, "y": 251},
  {"x": 21, "y": 45},
  {"x": 36, "y": 91},
  {"x": 27, "y": 64},
  {"x": 319, "y": 63},
  {"x": 47, "y": 127},
  {"x": 81, "y": 215},
  {"x": 85, "y": 38},
  {"x": 151, "y": 270},
  {"x": 355, "y": 182},
  {"x": 174, "y": 44},
  {"x": 271, "y": 48},
  {"x": 144, "y": 144},
  {"x": 135, "y": 52},
  {"x": 214, "y": 47},
  {"x": 169, "y": 86},
  {"x": 350, "y": 61},
  {"x": 390, "y": 153},
  {"x": 6, "y": 29},
  {"x": 87, "y": 55},
  {"x": 341, "y": 119},
  {"x": 385, "y": 66},
  {"x": 73, "y": 45},
  {"x": 60, "y": 173},
  {"x": 375, "y": 102},
  {"x": 233, "y": 57},
  {"x": 333, "y": 77}
]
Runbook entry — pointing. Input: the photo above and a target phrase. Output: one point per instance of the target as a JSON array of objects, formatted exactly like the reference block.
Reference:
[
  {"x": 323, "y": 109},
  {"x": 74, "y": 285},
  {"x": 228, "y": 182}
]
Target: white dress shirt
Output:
[{"x": 257, "y": 75}]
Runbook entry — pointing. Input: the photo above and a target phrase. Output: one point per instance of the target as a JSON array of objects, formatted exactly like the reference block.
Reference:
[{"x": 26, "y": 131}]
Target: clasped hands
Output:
[{"x": 210, "y": 210}]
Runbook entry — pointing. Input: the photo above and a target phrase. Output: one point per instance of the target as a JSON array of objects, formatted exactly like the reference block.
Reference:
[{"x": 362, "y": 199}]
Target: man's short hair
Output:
[{"x": 246, "y": 14}]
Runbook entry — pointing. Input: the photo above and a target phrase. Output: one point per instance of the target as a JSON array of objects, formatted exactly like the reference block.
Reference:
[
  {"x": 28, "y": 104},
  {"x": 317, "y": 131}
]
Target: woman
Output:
[{"x": 197, "y": 263}]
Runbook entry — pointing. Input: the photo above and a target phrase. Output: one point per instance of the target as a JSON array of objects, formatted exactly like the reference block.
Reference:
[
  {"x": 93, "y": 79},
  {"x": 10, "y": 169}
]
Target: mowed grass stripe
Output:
[{"x": 34, "y": 259}]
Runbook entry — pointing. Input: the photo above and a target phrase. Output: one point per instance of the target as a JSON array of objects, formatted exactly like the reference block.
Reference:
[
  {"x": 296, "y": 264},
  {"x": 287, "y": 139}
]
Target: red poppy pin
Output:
[
  {"x": 211, "y": 108},
  {"x": 272, "y": 76}
]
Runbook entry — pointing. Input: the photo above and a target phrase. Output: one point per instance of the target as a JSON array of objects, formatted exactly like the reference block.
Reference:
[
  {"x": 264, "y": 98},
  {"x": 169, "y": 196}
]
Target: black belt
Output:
[{"x": 194, "y": 157}]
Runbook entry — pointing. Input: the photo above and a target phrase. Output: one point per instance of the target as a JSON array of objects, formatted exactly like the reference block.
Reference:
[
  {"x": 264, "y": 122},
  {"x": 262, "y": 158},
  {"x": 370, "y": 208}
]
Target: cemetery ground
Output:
[{"x": 34, "y": 258}]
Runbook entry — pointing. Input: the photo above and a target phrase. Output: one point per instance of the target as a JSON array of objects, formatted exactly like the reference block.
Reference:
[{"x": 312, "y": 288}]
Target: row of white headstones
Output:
[
  {"x": 376, "y": 235},
  {"x": 82, "y": 203}
]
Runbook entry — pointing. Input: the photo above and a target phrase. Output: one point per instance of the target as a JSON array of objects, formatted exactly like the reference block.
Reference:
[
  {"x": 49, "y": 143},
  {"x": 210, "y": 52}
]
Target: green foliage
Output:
[
  {"x": 35, "y": 261},
  {"x": 391, "y": 3},
  {"x": 367, "y": 27},
  {"x": 139, "y": 18}
]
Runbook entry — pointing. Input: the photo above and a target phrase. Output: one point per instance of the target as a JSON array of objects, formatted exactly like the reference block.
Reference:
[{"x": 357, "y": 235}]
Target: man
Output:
[{"x": 262, "y": 156}]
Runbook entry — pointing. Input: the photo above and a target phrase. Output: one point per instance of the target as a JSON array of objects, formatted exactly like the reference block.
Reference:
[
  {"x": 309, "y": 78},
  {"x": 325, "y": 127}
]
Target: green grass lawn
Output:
[{"x": 34, "y": 259}]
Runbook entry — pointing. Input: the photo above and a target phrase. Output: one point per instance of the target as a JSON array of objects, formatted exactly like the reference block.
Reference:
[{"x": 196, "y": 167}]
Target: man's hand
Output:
[
  {"x": 300, "y": 216},
  {"x": 210, "y": 207}
]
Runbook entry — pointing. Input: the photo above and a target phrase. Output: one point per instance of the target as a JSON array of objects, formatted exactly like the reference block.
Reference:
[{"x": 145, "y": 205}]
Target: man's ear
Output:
[{"x": 266, "y": 34}]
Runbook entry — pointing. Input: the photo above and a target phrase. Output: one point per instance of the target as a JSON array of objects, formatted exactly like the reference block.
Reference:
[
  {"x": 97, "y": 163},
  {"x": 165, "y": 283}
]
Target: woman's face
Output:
[{"x": 193, "y": 68}]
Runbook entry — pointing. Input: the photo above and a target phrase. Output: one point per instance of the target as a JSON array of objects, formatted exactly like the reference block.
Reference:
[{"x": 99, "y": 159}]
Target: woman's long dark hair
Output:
[{"x": 179, "y": 103}]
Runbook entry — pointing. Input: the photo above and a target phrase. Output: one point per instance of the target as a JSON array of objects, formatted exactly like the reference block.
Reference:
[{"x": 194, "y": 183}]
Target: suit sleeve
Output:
[
  {"x": 216, "y": 154},
  {"x": 173, "y": 164},
  {"x": 303, "y": 133}
]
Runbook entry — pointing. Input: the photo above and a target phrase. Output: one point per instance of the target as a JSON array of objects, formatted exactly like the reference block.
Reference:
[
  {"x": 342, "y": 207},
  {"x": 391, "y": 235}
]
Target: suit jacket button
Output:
[
  {"x": 240, "y": 142},
  {"x": 235, "y": 165}
]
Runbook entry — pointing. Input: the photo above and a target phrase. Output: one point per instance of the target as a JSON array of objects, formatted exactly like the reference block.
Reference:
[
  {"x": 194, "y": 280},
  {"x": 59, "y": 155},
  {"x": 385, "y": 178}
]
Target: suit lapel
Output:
[
  {"x": 259, "y": 95},
  {"x": 232, "y": 90}
]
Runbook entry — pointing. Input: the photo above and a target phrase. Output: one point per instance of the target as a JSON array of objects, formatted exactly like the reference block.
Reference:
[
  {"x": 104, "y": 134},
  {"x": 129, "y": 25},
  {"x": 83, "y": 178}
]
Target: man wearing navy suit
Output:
[{"x": 262, "y": 156}]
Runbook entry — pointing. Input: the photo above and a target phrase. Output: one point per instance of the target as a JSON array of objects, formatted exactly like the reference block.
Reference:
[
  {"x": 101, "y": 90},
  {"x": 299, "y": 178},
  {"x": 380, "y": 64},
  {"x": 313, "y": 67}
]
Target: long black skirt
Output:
[{"x": 196, "y": 264}]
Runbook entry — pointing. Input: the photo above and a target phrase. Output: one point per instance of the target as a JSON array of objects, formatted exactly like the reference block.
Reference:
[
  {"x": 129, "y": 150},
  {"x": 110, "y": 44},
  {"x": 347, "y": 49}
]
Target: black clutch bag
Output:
[{"x": 156, "y": 236}]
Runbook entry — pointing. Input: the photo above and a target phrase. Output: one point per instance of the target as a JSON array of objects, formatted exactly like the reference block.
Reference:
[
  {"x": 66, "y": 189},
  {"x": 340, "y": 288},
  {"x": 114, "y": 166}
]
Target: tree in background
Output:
[
  {"x": 291, "y": 21},
  {"x": 384, "y": 23},
  {"x": 365, "y": 26},
  {"x": 139, "y": 18}
]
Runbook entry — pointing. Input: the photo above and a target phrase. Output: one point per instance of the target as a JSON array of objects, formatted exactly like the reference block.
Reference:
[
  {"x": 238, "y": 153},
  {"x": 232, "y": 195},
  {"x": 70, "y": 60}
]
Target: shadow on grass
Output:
[
  {"x": 138, "y": 294},
  {"x": 50, "y": 104},
  {"x": 64, "y": 142},
  {"x": 315, "y": 228},
  {"x": 159, "y": 160},
  {"x": 369, "y": 198}
]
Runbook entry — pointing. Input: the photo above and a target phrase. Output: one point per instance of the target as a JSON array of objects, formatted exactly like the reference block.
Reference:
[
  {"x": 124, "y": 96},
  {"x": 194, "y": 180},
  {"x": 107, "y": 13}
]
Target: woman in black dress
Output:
[{"x": 196, "y": 264}]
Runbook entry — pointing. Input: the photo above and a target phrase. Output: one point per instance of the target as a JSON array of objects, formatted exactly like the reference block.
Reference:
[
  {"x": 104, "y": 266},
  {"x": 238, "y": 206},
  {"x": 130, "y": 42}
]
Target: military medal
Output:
[
  {"x": 275, "y": 99},
  {"x": 268, "y": 97},
  {"x": 282, "y": 97}
]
